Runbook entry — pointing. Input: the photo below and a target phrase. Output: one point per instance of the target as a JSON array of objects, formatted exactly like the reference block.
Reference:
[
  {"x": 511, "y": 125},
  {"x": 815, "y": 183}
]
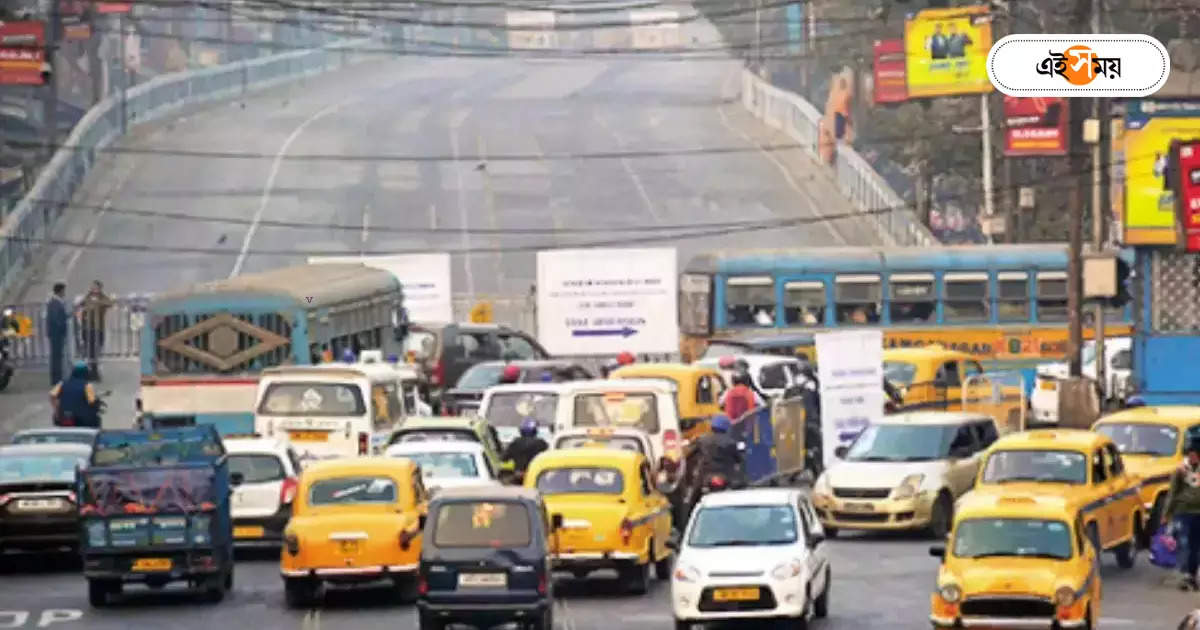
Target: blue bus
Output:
[{"x": 203, "y": 347}]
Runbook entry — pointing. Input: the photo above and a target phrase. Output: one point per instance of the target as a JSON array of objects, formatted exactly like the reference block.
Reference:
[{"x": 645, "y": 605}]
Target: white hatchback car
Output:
[
  {"x": 448, "y": 464},
  {"x": 262, "y": 502},
  {"x": 749, "y": 554}
]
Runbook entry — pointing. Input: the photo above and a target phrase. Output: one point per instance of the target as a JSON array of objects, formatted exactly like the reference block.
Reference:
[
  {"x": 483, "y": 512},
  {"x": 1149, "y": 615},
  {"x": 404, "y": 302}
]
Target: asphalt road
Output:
[{"x": 879, "y": 582}]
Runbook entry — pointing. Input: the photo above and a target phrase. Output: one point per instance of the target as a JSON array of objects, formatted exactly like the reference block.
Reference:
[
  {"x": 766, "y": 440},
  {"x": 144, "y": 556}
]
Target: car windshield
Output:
[
  {"x": 742, "y": 525},
  {"x": 1040, "y": 465},
  {"x": 437, "y": 435},
  {"x": 351, "y": 490},
  {"x": 899, "y": 373},
  {"x": 901, "y": 442},
  {"x": 510, "y": 409},
  {"x": 482, "y": 524},
  {"x": 580, "y": 481},
  {"x": 716, "y": 350},
  {"x": 1135, "y": 438},
  {"x": 620, "y": 443},
  {"x": 617, "y": 409},
  {"x": 54, "y": 437},
  {"x": 1023, "y": 537},
  {"x": 256, "y": 468},
  {"x": 445, "y": 465},
  {"x": 23, "y": 468},
  {"x": 480, "y": 377},
  {"x": 312, "y": 399}
]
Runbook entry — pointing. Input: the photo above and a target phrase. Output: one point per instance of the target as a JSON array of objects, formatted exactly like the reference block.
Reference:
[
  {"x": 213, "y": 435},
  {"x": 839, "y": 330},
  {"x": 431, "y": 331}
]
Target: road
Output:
[{"x": 880, "y": 582}]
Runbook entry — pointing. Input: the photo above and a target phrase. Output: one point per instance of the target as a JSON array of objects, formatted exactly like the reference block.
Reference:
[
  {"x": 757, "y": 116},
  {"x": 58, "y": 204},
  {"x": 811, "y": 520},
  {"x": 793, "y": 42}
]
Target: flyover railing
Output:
[
  {"x": 32, "y": 221},
  {"x": 856, "y": 179}
]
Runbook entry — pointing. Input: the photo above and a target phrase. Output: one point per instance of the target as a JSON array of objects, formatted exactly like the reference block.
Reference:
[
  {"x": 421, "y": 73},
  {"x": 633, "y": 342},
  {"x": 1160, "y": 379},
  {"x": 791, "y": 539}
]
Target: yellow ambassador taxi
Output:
[
  {"x": 1082, "y": 467},
  {"x": 933, "y": 377},
  {"x": 698, "y": 391},
  {"x": 1016, "y": 561},
  {"x": 354, "y": 521},
  {"x": 606, "y": 513},
  {"x": 1151, "y": 441}
]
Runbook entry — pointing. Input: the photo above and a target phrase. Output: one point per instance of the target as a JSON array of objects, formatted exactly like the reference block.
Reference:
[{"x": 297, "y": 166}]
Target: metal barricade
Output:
[
  {"x": 1000, "y": 395},
  {"x": 120, "y": 338},
  {"x": 789, "y": 419}
]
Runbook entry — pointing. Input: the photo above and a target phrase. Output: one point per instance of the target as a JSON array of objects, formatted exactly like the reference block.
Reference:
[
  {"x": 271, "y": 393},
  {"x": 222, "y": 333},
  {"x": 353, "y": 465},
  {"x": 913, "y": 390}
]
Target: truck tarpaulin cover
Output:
[
  {"x": 152, "y": 491},
  {"x": 164, "y": 447}
]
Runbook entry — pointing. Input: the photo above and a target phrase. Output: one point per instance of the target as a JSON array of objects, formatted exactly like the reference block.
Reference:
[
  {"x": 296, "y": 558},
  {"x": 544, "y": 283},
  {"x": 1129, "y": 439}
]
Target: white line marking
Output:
[
  {"x": 366, "y": 222},
  {"x": 457, "y": 120},
  {"x": 432, "y": 216},
  {"x": 637, "y": 181},
  {"x": 275, "y": 165},
  {"x": 87, "y": 240}
]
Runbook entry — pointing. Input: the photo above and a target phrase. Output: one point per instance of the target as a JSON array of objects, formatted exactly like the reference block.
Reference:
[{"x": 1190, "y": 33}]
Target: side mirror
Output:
[
  {"x": 556, "y": 521},
  {"x": 236, "y": 479},
  {"x": 937, "y": 551},
  {"x": 840, "y": 452},
  {"x": 815, "y": 539}
]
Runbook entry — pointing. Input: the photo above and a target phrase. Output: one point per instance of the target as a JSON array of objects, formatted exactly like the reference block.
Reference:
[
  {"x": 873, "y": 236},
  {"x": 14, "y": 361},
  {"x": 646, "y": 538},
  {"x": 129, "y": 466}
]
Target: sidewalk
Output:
[{"x": 25, "y": 403}]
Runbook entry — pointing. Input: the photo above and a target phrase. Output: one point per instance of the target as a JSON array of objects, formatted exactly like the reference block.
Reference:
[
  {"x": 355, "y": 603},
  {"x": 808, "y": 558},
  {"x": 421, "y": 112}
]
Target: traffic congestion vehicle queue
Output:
[
  {"x": 454, "y": 429},
  {"x": 448, "y": 464},
  {"x": 269, "y": 471}
]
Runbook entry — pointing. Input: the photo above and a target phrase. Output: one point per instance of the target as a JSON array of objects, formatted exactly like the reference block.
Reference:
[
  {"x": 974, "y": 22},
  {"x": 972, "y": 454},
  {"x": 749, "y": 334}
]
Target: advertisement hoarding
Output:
[
  {"x": 1150, "y": 126},
  {"x": 22, "y": 53},
  {"x": 1185, "y": 170},
  {"x": 946, "y": 51},
  {"x": 607, "y": 301},
  {"x": 851, "y": 377},
  {"x": 114, "y": 7},
  {"x": 1035, "y": 126},
  {"x": 890, "y": 83},
  {"x": 424, "y": 278}
]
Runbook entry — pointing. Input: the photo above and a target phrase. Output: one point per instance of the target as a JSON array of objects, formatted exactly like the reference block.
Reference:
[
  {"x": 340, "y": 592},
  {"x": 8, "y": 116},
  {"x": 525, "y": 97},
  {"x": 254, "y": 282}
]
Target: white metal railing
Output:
[
  {"x": 865, "y": 188},
  {"x": 32, "y": 220}
]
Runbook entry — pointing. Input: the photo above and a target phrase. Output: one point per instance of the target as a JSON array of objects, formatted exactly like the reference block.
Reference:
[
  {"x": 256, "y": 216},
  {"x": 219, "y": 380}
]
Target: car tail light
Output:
[
  {"x": 364, "y": 443},
  {"x": 287, "y": 492},
  {"x": 542, "y": 584},
  {"x": 5, "y": 498},
  {"x": 439, "y": 373},
  {"x": 716, "y": 482},
  {"x": 71, "y": 497},
  {"x": 422, "y": 586},
  {"x": 292, "y": 543},
  {"x": 626, "y": 531}
]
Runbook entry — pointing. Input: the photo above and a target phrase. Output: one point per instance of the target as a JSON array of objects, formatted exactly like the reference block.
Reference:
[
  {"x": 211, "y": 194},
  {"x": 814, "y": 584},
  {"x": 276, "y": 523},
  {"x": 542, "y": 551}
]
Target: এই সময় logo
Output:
[{"x": 1079, "y": 65}]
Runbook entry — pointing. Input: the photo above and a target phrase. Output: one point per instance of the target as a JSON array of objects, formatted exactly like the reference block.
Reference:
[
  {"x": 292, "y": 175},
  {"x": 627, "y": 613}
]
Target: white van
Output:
[
  {"x": 331, "y": 410},
  {"x": 505, "y": 407}
]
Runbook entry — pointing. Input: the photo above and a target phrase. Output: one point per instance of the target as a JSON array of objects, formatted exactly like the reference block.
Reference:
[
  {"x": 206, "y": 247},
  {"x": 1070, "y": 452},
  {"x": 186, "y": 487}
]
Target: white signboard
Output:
[
  {"x": 851, "y": 373},
  {"x": 424, "y": 277},
  {"x": 607, "y": 301}
]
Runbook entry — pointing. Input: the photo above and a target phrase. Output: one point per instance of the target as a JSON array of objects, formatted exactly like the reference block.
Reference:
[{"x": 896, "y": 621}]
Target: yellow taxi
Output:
[
  {"x": 1151, "y": 441},
  {"x": 1016, "y": 561},
  {"x": 606, "y": 513},
  {"x": 353, "y": 521},
  {"x": 1085, "y": 469},
  {"x": 697, "y": 391},
  {"x": 933, "y": 377}
]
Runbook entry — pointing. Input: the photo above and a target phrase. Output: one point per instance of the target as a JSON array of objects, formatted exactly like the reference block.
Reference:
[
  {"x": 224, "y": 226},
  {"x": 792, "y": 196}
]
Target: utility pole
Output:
[
  {"x": 1011, "y": 203},
  {"x": 50, "y": 93},
  {"x": 1100, "y": 113},
  {"x": 985, "y": 128},
  {"x": 1075, "y": 228},
  {"x": 124, "y": 72}
]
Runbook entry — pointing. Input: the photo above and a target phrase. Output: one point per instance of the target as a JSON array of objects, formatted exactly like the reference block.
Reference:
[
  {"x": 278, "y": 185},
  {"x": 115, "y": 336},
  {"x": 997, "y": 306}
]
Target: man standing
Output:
[
  {"x": 56, "y": 331},
  {"x": 92, "y": 314},
  {"x": 1183, "y": 504}
]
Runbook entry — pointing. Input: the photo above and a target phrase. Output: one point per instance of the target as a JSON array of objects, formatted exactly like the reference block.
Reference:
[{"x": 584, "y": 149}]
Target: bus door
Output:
[{"x": 805, "y": 300}]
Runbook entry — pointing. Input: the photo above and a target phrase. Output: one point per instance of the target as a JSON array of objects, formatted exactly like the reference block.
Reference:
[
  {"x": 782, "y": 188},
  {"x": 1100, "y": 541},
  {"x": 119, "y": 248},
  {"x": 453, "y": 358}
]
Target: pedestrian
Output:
[
  {"x": 1183, "y": 505},
  {"x": 56, "y": 330},
  {"x": 92, "y": 313}
]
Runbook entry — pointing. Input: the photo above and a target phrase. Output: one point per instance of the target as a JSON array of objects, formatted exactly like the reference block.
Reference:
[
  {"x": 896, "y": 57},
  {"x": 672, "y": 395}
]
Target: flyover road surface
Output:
[{"x": 880, "y": 582}]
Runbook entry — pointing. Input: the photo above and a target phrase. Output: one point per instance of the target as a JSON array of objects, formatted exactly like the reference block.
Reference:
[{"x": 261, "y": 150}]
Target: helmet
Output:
[
  {"x": 547, "y": 377},
  {"x": 721, "y": 424},
  {"x": 8, "y": 312},
  {"x": 511, "y": 374},
  {"x": 741, "y": 378},
  {"x": 625, "y": 358},
  {"x": 529, "y": 427},
  {"x": 80, "y": 368},
  {"x": 726, "y": 363},
  {"x": 1135, "y": 401},
  {"x": 348, "y": 355}
]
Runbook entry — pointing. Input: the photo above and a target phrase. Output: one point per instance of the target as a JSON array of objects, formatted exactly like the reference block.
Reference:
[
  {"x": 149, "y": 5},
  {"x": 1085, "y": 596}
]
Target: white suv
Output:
[{"x": 262, "y": 501}]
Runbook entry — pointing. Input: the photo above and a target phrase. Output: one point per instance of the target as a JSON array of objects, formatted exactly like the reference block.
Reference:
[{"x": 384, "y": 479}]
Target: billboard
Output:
[
  {"x": 851, "y": 386},
  {"x": 114, "y": 7},
  {"x": 22, "y": 53},
  {"x": 890, "y": 83},
  {"x": 1150, "y": 126},
  {"x": 1185, "y": 171},
  {"x": 946, "y": 51},
  {"x": 1035, "y": 126}
]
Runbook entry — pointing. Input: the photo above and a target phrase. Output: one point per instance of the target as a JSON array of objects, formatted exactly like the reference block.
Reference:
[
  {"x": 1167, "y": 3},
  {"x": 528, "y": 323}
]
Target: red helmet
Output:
[
  {"x": 625, "y": 358},
  {"x": 511, "y": 374}
]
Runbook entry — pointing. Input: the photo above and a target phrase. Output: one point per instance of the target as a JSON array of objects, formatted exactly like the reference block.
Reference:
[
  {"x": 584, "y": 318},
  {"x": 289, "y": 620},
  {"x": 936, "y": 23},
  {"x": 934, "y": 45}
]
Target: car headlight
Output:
[
  {"x": 97, "y": 533},
  {"x": 951, "y": 593},
  {"x": 787, "y": 570},
  {"x": 1064, "y": 596},
  {"x": 685, "y": 573},
  {"x": 908, "y": 487}
]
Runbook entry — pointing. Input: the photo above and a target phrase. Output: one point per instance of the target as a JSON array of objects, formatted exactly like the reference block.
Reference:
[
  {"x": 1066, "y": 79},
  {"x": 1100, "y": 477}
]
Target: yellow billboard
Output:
[
  {"x": 1150, "y": 126},
  {"x": 946, "y": 50}
]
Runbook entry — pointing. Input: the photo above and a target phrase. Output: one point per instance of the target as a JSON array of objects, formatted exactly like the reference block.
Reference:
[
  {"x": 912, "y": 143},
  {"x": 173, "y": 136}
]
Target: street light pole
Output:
[
  {"x": 985, "y": 124},
  {"x": 1099, "y": 112}
]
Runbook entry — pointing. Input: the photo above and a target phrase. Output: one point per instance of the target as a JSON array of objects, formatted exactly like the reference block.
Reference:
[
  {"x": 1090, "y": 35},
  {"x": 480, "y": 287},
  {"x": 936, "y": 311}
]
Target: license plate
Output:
[
  {"x": 489, "y": 580},
  {"x": 308, "y": 436},
  {"x": 735, "y": 595},
  {"x": 858, "y": 507},
  {"x": 248, "y": 532},
  {"x": 1047, "y": 385},
  {"x": 152, "y": 564},
  {"x": 349, "y": 546},
  {"x": 40, "y": 504}
]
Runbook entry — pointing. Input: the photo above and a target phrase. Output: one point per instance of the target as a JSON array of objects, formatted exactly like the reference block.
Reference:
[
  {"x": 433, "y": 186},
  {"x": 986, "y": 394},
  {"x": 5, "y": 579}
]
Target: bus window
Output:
[
  {"x": 966, "y": 297},
  {"x": 804, "y": 303},
  {"x": 858, "y": 298},
  {"x": 750, "y": 301},
  {"x": 1013, "y": 296},
  {"x": 1052, "y": 296},
  {"x": 912, "y": 300}
]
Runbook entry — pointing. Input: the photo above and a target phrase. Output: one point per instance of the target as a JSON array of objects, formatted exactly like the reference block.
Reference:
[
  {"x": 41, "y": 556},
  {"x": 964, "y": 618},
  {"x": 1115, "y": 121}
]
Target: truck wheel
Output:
[
  {"x": 214, "y": 592},
  {"x": 100, "y": 590},
  {"x": 426, "y": 621},
  {"x": 636, "y": 578},
  {"x": 662, "y": 568},
  {"x": 298, "y": 592}
]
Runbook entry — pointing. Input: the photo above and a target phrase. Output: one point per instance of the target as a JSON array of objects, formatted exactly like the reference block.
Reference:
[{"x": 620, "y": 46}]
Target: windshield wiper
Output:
[
  {"x": 1013, "y": 554},
  {"x": 733, "y": 543},
  {"x": 1039, "y": 479},
  {"x": 917, "y": 458},
  {"x": 874, "y": 458}
]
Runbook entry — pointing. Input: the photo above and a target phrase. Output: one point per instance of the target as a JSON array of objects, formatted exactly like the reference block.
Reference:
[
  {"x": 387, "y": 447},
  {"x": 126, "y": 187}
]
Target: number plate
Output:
[
  {"x": 248, "y": 532},
  {"x": 308, "y": 436},
  {"x": 349, "y": 546},
  {"x": 40, "y": 505},
  {"x": 1047, "y": 385},
  {"x": 735, "y": 595},
  {"x": 152, "y": 564},
  {"x": 858, "y": 507},
  {"x": 486, "y": 580}
]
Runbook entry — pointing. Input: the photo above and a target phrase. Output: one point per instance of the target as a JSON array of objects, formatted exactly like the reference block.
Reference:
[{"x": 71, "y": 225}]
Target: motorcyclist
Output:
[
  {"x": 893, "y": 400},
  {"x": 741, "y": 398},
  {"x": 75, "y": 397},
  {"x": 522, "y": 450},
  {"x": 9, "y": 328},
  {"x": 511, "y": 374},
  {"x": 720, "y": 455}
]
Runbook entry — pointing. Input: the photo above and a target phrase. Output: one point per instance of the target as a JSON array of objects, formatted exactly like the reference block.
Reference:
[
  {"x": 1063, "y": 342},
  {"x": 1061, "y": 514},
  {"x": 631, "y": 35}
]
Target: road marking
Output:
[
  {"x": 59, "y": 616},
  {"x": 456, "y": 121},
  {"x": 87, "y": 240},
  {"x": 432, "y": 216},
  {"x": 637, "y": 181},
  {"x": 366, "y": 222}
]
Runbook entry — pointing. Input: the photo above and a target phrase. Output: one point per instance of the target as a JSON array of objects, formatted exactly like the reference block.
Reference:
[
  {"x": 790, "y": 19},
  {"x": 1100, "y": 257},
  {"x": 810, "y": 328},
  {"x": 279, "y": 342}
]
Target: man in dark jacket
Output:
[
  {"x": 522, "y": 450},
  {"x": 92, "y": 315},
  {"x": 56, "y": 331},
  {"x": 1183, "y": 505},
  {"x": 77, "y": 399}
]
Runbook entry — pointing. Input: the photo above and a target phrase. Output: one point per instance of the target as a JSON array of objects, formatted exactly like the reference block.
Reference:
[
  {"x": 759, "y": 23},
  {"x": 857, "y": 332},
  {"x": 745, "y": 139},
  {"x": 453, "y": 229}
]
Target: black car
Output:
[
  {"x": 485, "y": 560},
  {"x": 468, "y": 392},
  {"x": 445, "y": 350},
  {"x": 38, "y": 507}
]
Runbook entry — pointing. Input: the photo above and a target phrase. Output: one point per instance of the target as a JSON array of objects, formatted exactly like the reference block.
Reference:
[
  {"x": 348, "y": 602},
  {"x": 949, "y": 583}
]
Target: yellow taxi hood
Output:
[
  {"x": 1146, "y": 466},
  {"x": 1072, "y": 495},
  {"x": 848, "y": 474},
  {"x": 319, "y": 527},
  {"x": 999, "y": 576}
]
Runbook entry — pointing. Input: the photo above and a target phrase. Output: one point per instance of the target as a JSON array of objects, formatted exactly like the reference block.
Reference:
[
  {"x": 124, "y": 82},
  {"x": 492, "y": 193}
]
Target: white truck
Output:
[{"x": 1117, "y": 374}]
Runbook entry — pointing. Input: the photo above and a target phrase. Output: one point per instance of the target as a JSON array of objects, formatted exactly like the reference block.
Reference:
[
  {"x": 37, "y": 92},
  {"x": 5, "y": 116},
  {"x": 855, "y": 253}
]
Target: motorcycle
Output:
[{"x": 67, "y": 419}]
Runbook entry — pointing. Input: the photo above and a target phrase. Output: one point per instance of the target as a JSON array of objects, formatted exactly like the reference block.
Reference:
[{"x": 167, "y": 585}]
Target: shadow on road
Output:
[{"x": 40, "y": 563}]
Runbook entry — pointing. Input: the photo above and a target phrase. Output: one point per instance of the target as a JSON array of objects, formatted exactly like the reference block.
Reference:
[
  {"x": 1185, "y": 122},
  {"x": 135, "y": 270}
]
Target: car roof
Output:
[
  {"x": 56, "y": 430},
  {"x": 618, "y": 385},
  {"x": 754, "y": 496},
  {"x": 651, "y": 369},
  {"x": 436, "y": 447},
  {"x": 530, "y": 363},
  {"x": 548, "y": 388},
  {"x": 57, "y": 448},
  {"x": 993, "y": 504},
  {"x": 244, "y": 445},
  {"x": 487, "y": 492},
  {"x": 587, "y": 455},
  {"x": 589, "y": 431},
  {"x": 1176, "y": 415},
  {"x": 427, "y": 423},
  {"x": 753, "y": 361},
  {"x": 933, "y": 351},
  {"x": 1052, "y": 439},
  {"x": 350, "y": 465},
  {"x": 932, "y": 418}
]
